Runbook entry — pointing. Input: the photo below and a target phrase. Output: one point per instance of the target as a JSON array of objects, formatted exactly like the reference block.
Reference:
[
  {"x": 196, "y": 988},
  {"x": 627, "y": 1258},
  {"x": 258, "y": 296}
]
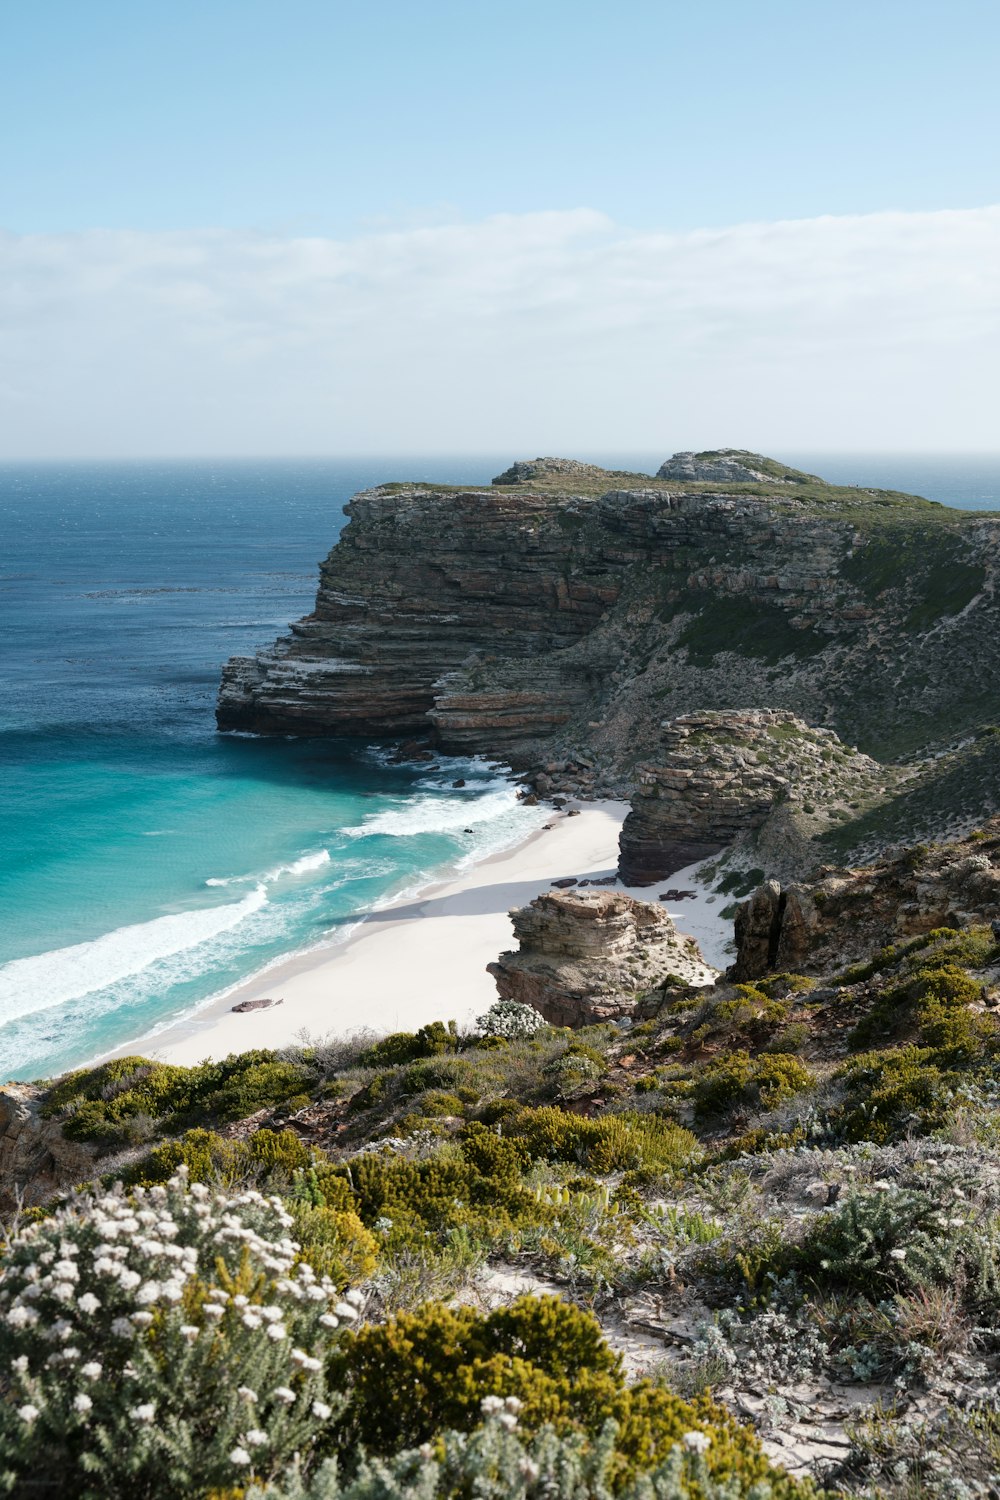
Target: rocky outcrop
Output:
[
  {"x": 559, "y": 616},
  {"x": 719, "y": 776},
  {"x": 36, "y": 1161},
  {"x": 548, "y": 469},
  {"x": 723, "y": 466},
  {"x": 843, "y": 916},
  {"x": 589, "y": 956}
]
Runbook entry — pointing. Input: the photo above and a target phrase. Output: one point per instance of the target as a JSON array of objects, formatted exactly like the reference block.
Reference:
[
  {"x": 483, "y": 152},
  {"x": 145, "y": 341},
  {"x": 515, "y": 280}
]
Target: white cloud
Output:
[{"x": 554, "y": 331}]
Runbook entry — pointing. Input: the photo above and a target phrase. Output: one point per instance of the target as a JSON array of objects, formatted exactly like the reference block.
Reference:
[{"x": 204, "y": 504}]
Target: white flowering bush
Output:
[
  {"x": 495, "y": 1462},
  {"x": 510, "y": 1020},
  {"x": 160, "y": 1344}
]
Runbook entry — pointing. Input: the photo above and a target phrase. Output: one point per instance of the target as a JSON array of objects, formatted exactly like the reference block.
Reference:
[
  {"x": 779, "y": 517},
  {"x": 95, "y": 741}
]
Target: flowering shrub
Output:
[
  {"x": 510, "y": 1020},
  {"x": 160, "y": 1345},
  {"x": 497, "y": 1462}
]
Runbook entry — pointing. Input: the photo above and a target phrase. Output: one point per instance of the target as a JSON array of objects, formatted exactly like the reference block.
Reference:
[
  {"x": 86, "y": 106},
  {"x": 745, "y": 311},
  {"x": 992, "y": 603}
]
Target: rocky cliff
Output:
[
  {"x": 559, "y": 615},
  {"x": 589, "y": 956}
]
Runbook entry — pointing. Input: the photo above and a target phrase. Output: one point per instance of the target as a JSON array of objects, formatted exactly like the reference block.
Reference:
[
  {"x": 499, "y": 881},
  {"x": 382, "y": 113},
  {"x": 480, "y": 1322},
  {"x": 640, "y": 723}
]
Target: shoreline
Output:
[{"x": 419, "y": 959}]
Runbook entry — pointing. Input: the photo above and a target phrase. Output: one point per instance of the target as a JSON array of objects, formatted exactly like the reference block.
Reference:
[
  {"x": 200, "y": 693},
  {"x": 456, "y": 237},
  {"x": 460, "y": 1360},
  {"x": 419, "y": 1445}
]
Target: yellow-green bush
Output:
[
  {"x": 890, "y": 1093},
  {"x": 408, "y": 1046},
  {"x": 607, "y": 1143},
  {"x": 270, "y": 1157},
  {"x": 440, "y": 1362},
  {"x": 751, "y": 1082},
  {"x": 335, "y": 1243},
  {"x": 114, "y": 1103}
]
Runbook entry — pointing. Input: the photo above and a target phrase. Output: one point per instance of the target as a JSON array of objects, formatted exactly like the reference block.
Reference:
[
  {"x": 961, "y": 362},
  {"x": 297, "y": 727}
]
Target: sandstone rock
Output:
[
  {"x": 592, "y": 955},
  {"x": 842, "y": 916},
  {"x": 558, "y": 618}
]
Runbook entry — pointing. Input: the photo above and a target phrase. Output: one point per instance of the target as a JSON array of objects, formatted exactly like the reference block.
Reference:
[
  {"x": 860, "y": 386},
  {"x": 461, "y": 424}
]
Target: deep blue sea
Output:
[{"x": 148, "y": 863}]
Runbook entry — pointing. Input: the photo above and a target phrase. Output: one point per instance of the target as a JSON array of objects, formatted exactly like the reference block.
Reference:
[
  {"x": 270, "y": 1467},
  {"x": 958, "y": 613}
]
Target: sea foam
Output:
[
  {"x": 303, "y": 866},
  {"x": 48, "y": 979},
  {"x": 426, "y": 814}
]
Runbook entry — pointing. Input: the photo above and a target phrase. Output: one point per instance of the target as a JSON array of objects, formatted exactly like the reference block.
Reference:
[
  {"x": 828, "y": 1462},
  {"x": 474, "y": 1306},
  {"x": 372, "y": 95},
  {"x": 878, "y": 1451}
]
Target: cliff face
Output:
[
  {"x": 560, "y": 615},
  {"x": 421, "y": 581},
  {"x": 588, "y": 956}
]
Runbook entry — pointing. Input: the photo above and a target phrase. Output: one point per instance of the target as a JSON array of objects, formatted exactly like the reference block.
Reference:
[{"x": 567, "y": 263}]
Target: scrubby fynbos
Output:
[{"x": 561, "y": 614}]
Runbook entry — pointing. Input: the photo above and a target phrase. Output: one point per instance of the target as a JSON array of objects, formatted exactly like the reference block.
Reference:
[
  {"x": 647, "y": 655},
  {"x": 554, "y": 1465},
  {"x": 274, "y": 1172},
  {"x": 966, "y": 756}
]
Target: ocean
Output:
[{"x": 148, "y": 863}]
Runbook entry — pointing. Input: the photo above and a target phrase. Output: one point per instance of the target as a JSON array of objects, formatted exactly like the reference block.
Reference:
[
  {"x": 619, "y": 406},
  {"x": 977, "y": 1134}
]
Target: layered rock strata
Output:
[
  {"x": 558, "y": 616},
  {"x": 420, "y": 582},
  {"x": 588, "y": 956},
  {"x": 718, "y": 778}
]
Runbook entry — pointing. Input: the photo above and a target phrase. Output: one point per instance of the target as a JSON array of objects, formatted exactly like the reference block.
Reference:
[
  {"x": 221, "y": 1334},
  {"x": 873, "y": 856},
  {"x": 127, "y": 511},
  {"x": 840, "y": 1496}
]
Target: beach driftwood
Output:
[{"x": 256, "y": 1005}]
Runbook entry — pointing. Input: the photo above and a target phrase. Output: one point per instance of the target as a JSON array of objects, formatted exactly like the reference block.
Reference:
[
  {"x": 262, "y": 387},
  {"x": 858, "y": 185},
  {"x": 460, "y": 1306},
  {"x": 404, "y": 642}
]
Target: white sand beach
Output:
[{"x": 425, "y": 959}]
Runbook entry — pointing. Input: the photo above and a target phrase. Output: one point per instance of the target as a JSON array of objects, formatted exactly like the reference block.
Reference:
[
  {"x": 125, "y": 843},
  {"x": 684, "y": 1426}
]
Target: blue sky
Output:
[
  {"x": 318, "y": 227},
  {"x": 320, "y": 116}
]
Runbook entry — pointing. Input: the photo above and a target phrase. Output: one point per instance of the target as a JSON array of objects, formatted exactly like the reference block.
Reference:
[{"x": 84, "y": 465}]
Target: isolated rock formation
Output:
[
  {"x": 725, "y": 466},
  {"x": 720, "y": 775},
  {"x": 589, "y": 956}
]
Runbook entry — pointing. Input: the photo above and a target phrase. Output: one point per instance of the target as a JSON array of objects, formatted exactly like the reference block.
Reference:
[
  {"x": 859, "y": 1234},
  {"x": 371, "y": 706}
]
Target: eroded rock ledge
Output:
[
  {"x": 843, "y": 915},
  {"x": 593, "y": 956},
  {"x": 36, "y": 1159},
  {"x": 721, "y": 775}
]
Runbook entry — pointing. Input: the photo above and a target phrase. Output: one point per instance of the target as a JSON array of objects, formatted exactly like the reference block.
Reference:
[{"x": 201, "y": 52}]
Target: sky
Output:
[{"x": 403, "y": 226}]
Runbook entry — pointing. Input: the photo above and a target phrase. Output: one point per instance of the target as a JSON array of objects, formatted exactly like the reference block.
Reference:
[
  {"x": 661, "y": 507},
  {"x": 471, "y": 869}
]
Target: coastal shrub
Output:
[
  {"x": 334, "y": 1242},
  {"x": 748, "y": 1017},
  {"x": 879, "y": 1242},
  {"x": 608, "y": 1143},
  {"x": 497, "y": 1461},
  {"x": 479, "y": 1184},
  {"x": 160, "y": 1344},
  {"x": 270, "y": 1157},
  {"x": 935, "y": 1001},
  {"x": 907, "y": 1089},
  {"x": 749, "y": 1082},
  {"x": 509, "y": 1020},
  {"x": 408, "y": 1046},
  {"x": 439, "y": 1362},
  {"x": 547, "y": 1355},
  {"x": 109, "y": 1104}
]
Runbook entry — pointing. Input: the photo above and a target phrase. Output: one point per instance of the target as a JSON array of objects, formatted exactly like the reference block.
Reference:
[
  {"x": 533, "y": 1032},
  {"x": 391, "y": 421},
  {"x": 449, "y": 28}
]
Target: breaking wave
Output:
[{"x": 62, "y": 975}]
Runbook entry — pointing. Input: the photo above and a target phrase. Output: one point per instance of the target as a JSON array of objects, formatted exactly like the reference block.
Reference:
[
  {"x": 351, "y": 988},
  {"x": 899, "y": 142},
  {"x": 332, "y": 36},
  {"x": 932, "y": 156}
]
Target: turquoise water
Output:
[{"x": 148, "y": 863}]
